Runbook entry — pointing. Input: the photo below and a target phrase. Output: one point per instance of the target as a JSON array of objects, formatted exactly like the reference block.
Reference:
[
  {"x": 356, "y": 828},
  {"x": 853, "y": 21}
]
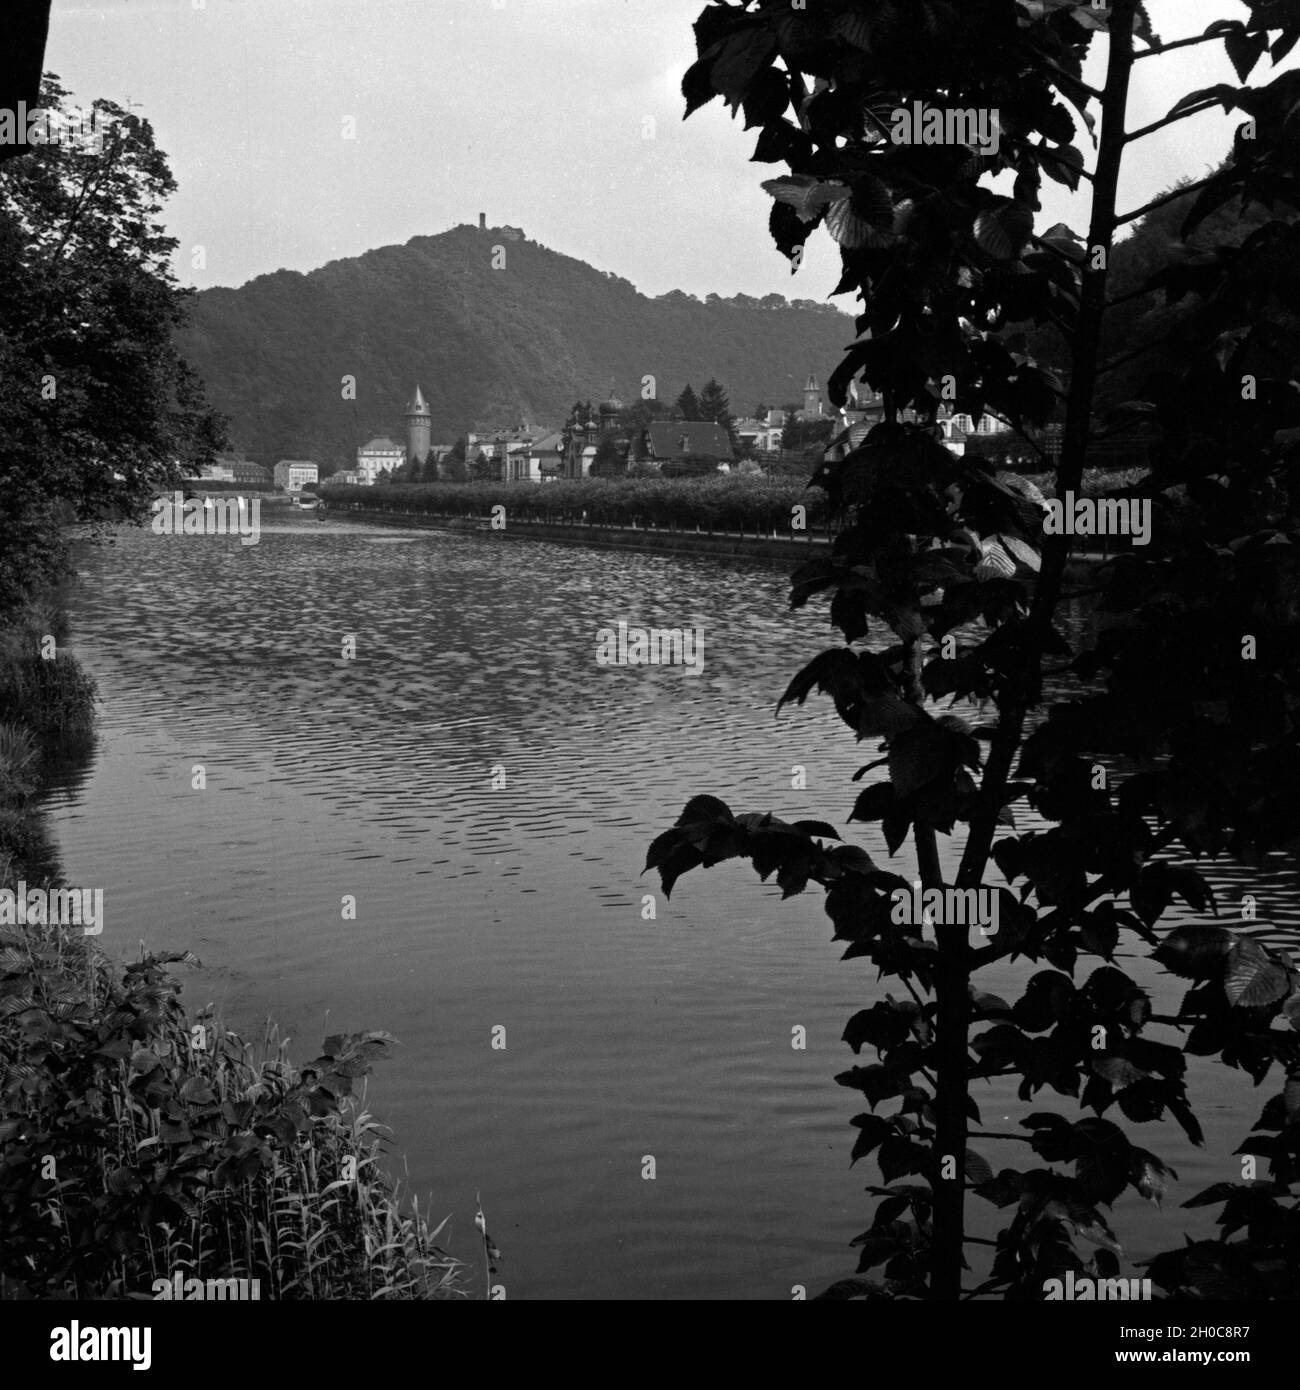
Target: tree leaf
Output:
[
  {"x": 1003, "y": 229},
  {"x": 1253, "y": 978},
  {"x": 1062, "y": 163},
  {"x": 1021, "y": 551},
  {"x": 805, "y": 194}
]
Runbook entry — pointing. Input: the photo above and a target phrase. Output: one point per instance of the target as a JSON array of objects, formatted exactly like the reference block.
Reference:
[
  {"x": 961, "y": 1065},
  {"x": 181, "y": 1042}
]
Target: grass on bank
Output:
[
  {"x": 140, "y": 1142},
  {"x": 42, "y": 687}
]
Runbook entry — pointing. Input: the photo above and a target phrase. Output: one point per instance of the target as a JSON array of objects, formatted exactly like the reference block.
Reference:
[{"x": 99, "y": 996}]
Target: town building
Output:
[
  {"x": 812, "y": 400},
  {"x": 954, "y": 429},
  {"x": 506, "y": 233},
  {"x": 232, "y": 467},
  {"x": 212, "y": 472},
  {"x": 380, "y": 455},
  {"x": 514, "y": 437},
  {"x": 759, "y": 436},
  {"x": 582, "y": 439},
  {"x": 849, "y": 438},
  {"x": 540, "y": 461},
  {"x": 341, "y": 477},
  {"x": 295, "y": 474},
  {"x": 671, "y": 441},
  {"x": 580, "y": 443},
  {"x": 511, "y": 451},
  {"x": 242, "y": 470},
  {"x": 987, "y": 425}
]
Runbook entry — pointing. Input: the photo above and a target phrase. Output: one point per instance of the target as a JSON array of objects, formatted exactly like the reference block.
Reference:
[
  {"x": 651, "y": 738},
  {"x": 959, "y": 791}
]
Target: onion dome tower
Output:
[{"x": 609, "y": 414}]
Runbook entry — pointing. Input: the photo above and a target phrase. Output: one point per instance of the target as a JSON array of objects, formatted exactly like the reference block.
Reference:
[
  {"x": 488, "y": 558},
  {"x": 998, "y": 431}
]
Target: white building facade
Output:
[
  {"x": 295, "y": 474},
  {"x": 380, "y": 455}
]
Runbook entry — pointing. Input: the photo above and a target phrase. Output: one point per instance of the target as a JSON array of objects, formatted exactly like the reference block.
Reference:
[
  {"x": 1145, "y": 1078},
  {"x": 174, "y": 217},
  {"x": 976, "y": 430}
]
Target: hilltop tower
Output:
[
  {"x": 419, "y": 427},
  {"x": 812, "y": 399}
]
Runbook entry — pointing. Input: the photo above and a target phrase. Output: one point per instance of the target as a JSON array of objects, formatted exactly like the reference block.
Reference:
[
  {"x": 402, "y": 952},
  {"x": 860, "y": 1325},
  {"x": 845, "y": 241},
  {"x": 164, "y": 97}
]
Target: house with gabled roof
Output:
[
  {"x": 670, "y": 441},
  {"x": 953, "y": 429},
  {"x": 544, "y": 458}
]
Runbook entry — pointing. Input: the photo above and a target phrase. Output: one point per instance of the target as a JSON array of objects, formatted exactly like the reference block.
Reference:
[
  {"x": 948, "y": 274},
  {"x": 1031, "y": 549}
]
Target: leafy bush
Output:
[{"x": 138, "y": 1143}]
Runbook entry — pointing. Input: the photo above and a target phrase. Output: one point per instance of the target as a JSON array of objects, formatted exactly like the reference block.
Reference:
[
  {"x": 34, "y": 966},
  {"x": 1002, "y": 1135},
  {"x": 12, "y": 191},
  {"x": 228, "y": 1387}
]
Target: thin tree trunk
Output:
[
  {"x": 1086, "y": 350},
  {"x": 951, "y": 1028},
  {"x": 952, "y": 985}
]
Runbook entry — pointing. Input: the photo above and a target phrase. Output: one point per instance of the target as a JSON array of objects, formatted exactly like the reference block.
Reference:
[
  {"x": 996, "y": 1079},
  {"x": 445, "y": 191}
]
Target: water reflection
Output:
[{"x": 520, "y": 904}]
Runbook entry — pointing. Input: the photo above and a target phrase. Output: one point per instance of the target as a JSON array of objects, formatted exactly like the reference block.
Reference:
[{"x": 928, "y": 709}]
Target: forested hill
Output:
[
  {"x": 489, "y": 346},
  {"x": 1139, "y": 318}
]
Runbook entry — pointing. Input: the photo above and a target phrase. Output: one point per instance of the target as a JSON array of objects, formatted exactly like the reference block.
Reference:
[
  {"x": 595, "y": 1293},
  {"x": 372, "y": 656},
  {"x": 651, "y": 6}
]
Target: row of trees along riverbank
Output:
[{"x": 739, "y": 503}]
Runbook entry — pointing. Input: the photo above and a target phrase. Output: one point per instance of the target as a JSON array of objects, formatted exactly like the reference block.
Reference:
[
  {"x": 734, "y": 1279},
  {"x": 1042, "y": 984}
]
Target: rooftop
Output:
[{"x": 670, "y": 439}]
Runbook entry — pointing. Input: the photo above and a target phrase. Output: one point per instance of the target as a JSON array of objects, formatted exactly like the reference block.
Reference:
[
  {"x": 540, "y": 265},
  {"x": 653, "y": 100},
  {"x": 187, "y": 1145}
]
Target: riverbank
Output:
[
  {"x": 140, "y": 1141},
  {"x": 193, "y": 489},
  {"x": 656, "y": 540},
  {"x": 47, "y": 714},
  {"x": 662, "y": 540}
]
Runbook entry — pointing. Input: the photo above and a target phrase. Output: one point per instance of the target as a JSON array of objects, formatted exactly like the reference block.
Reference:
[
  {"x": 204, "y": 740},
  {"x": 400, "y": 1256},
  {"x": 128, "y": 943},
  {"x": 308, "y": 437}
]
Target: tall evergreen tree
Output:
[
  {"x": 609, "y": 459},
  {"x": 688, "y": 404},
  {"x": 714, "y": 405},
  {"x": 453, "y": 466},
  {"x": 430, "y": 473},
  {"x": 635, "y": 417}
]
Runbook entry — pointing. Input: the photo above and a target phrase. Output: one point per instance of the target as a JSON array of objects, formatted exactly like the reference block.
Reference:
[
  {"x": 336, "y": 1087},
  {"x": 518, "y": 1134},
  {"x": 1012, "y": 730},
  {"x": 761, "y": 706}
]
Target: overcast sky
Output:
[{"x": 533, "y": 111}]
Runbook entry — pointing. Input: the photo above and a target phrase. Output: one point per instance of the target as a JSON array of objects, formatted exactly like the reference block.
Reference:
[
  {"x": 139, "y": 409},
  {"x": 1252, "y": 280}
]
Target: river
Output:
[{"x": 487, "y": 792}]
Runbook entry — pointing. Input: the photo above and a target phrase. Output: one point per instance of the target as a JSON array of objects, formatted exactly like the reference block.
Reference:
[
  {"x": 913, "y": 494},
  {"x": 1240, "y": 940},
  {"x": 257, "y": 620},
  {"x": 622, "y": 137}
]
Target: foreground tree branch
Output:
[{"x": 946, "y": 582}]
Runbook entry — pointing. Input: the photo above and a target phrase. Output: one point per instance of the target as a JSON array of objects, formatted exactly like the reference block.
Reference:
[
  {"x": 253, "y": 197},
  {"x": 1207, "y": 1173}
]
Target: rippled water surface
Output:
[{"x": 520, "y": 906}]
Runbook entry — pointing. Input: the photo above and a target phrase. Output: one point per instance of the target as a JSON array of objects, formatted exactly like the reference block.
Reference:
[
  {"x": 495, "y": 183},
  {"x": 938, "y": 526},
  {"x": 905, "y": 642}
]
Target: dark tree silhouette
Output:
[{"x": 1180, "y": 735}]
